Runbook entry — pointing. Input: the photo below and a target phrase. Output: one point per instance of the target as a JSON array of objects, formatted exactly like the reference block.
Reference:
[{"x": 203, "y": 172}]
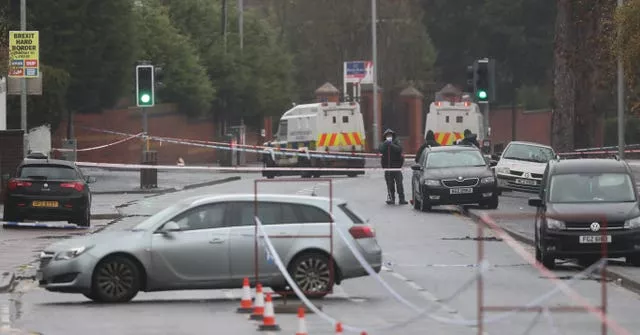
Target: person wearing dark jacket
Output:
[
  {"x": 392, "y": 158},
  {"x": 429, "y": 141},
  {"x": 470, "y": 139}
]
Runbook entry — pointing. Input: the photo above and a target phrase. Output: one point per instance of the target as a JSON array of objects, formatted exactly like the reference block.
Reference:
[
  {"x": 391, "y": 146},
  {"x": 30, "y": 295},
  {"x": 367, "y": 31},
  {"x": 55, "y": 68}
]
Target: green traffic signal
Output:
[
  {"x": 145, "y": 98},
  {"x": 481, "y": 94}
]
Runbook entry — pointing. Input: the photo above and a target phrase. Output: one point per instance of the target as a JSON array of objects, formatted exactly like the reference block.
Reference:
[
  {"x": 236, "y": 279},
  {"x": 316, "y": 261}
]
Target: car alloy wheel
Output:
[
  {"x": 312, "y": 274},
  {"x": 116, "y": 279}
]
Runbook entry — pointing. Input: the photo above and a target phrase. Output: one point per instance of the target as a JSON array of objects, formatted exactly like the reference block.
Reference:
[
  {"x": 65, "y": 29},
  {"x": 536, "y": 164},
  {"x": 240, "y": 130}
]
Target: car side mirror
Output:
[
  {"x": 535, "y": 202},
  {"x": 90, "y": 180},
  {"x": 495, "y": 157},
  {"x": 170, "y": 227},
  {"x": 493, "y": 163},
  {"x": 416, "y": 167}
]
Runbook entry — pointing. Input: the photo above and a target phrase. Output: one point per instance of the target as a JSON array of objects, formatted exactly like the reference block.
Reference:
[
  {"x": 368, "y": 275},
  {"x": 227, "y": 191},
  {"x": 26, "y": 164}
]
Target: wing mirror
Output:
[
  {"x": 535, "y": 202},
  {"x": 495, "y": 157},
  {"x": 493, "y": 163},
  {"x": 416, "y": 167},
  {"x": 170, "y": 227},
  {"x": 90, "y": 180}
]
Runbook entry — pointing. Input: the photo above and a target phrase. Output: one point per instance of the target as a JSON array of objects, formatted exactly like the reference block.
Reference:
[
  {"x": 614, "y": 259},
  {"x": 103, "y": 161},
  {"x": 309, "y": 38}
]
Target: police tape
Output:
[
  {"x": 230, "y": 168},
  {"x": 421, "y": 313},
  {"x": 253, "y": 148},
  {"x": 100, "y": 146},
  {"x": 289, "y": 151}
]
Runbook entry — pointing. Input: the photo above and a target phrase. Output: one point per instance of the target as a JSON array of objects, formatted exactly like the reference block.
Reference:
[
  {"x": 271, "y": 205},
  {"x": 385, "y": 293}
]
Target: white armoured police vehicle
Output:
[
  {"x": 328, "y": 127},
  {"x": 449, "y": 119}
]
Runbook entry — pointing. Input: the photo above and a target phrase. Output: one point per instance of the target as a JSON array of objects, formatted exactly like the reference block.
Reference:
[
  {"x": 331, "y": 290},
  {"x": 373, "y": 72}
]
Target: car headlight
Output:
[
  {"x": 503, "y": 170},
  {"x": 431, "y": 182},
  {"x": 71, "y": 253},
  {"x": 632, "y": 223},
  {"x": 488, "y": 180},
  {"x": 555, "y": 224}
]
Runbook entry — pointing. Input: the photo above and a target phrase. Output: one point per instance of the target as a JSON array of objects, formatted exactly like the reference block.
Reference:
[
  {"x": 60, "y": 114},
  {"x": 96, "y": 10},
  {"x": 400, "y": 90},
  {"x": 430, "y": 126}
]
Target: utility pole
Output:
[
  {"x": 23, "y": 83},
  {"x": 621, "y": 145},
  {"x": 224, "y": 24},
  {"x": 374, "y": 43},
  {"x": 241, "y": 23}
]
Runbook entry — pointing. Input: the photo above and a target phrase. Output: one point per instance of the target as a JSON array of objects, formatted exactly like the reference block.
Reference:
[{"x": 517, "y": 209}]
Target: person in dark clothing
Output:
[
  {"x": 470, "y": 139},
  {"x": 392, "y": 158},
  {"x": 429, "y": 141}
]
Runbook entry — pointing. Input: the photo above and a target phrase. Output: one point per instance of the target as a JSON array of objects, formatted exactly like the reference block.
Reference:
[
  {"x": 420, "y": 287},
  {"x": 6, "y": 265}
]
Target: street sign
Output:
[
  {"x": 360, "y": 72},
  {"x": 24, "y": 54}
]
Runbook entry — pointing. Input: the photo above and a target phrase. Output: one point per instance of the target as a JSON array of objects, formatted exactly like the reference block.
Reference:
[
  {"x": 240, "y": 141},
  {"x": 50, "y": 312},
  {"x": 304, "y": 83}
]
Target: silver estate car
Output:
[{"x": 207, "y": 242}]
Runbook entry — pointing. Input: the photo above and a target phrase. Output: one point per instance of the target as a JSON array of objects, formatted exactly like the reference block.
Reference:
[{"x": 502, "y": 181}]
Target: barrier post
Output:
[{"x": 599, "y": 311}]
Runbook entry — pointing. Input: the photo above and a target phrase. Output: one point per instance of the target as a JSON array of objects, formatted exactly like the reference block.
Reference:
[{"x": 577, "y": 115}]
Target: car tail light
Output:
[
  {"x": 77, "y": 186},
  {"x": 14, "y": 184},
  {"x": 362, "y": 232}
]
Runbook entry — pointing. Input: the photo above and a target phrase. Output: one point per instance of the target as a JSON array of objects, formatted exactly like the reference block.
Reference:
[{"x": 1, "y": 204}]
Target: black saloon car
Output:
[
  {"x": 48, "y": 190},
  {"x": 453, "y": 175},
  {"x": 583, "y": 203}
]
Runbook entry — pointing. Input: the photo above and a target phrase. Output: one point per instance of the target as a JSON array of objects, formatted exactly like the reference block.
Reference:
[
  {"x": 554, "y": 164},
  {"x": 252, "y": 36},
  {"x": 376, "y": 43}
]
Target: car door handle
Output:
[{"x": 216, "y": 240}]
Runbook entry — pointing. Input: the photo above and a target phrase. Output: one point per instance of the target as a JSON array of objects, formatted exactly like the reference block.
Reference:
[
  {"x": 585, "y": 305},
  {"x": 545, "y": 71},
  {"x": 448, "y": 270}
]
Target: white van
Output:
[
  {"x": 329, "y": 127},
  {"x": 448, "y": 120}
]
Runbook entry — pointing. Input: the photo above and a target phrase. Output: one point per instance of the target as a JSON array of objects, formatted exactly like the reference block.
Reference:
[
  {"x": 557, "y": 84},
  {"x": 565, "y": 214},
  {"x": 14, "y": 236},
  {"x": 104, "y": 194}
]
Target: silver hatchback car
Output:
[{"x": 208, "y": 242}]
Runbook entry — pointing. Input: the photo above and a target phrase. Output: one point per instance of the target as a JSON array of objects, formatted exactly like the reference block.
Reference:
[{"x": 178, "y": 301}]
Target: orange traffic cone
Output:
[
  {"x": 246, "y": 305},
  {"x": 338, "y": 328},
  {"x": 258, "y": 307},
  {"x": 302, "y": 324},
  {"x": 269, "y": 320}
]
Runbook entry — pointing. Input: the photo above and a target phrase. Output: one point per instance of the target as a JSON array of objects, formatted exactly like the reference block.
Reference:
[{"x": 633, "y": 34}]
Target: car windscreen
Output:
[
  {"x": 529, "y": 153},
  {"x": 48, "y": 172},
  {"x": 591, "y": 188},
  {"x": 447, "y": 159}
]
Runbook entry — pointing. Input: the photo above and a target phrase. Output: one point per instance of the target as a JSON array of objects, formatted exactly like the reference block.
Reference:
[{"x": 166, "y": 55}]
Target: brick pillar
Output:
[
  {"x": 412, "y": 99},
  {"x": 367, "y": 113},
  {"x": 328, "y": 93}
]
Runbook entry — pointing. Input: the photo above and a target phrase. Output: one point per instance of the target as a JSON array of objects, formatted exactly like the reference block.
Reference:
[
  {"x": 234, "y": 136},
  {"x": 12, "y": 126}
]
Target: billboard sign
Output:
[
  {"x": 24, "y": 54},
  {"x": 358, "y": 72}
]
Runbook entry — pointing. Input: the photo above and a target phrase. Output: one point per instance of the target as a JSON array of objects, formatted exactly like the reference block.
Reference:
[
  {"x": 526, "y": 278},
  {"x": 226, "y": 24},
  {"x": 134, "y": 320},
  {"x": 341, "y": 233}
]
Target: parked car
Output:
[
  {"x": 577, "y": 199},
  {"x": 521, "y": 165},
  {"x": 48, "y": 190},
  {"x": 453, "y": 175},
  {"x": 207, "y": 242}
]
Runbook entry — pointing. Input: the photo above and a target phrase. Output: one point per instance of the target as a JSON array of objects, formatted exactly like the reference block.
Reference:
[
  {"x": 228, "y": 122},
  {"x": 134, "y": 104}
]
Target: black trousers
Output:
[{"x": 394, "y": 181}]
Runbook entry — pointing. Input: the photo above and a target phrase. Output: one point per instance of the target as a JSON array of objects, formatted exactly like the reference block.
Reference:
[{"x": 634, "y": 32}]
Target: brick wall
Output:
[
  {"x": 11, "y": 154},
  {"x": 534, "y": 126},
  {"x": 163, "y": 121}
]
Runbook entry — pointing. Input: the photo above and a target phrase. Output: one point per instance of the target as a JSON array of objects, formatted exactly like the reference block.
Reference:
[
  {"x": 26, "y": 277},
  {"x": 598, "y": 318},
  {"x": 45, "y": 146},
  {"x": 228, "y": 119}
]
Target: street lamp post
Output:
[
  {"x": 621, "y": 145},
  {"x": 374, "y": 43},
  {"x": 23, "y": 83}
]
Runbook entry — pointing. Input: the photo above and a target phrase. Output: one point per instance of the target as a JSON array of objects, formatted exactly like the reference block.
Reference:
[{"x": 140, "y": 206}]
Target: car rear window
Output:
[
  {"x": 58, "y": 172},
  {"x": 353, "y": 216}
]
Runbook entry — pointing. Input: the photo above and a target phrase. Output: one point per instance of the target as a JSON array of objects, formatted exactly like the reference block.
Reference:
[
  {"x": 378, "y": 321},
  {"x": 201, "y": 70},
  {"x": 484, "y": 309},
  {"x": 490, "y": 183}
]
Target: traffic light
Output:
[
  {"x": 470, "y": 87},
  {"x": 145, "y": 86},
  {"x": 484, "y": 80}
]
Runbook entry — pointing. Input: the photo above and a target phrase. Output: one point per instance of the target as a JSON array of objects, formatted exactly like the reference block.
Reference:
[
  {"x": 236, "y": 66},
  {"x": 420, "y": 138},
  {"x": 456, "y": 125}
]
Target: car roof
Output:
[
  {"x": 531, "y": 143},
  {"x": 588, "y": 165},
  {"x": 454, "y": 148},
  {"x": 47, "y": 161},
  {"x": 295, "y": 199}
]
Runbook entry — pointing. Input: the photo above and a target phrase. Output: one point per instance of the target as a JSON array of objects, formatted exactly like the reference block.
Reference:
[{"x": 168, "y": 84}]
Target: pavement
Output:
[{"x": 429, "y": 257}]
